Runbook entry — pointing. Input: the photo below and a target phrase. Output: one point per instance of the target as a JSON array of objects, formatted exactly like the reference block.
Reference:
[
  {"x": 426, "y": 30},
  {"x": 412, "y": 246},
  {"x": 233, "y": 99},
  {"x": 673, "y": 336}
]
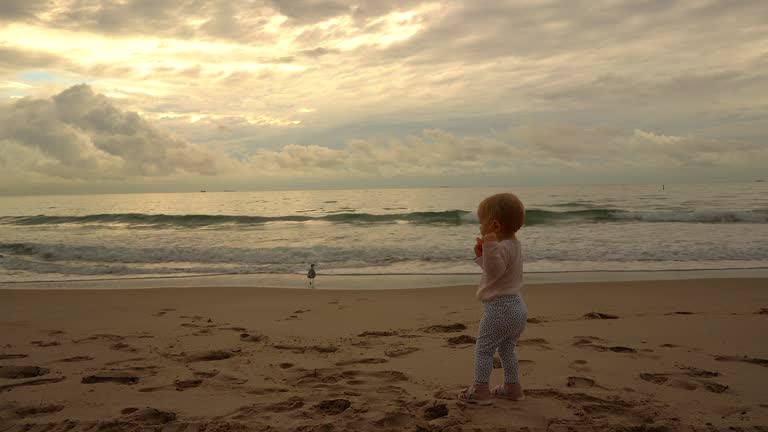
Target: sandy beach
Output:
[{"x": 648, "y": 355}]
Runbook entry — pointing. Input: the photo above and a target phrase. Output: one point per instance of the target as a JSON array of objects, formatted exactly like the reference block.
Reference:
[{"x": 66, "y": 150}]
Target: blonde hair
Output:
[{"x": 505, "y": 208}]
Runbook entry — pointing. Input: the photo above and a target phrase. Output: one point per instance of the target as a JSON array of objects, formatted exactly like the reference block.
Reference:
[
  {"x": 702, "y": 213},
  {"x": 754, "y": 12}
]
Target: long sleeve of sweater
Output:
[{"x": 502, "y": 269}]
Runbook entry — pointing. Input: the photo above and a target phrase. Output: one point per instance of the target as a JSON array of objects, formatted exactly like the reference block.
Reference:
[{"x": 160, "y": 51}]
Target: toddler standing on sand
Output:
[{"x": 504, "y": 312}]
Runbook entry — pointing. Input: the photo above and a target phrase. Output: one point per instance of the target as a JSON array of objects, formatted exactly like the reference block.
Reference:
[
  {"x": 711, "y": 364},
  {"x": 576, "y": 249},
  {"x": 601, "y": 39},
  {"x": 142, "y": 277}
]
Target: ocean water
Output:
[{"x": 381, "y": 231}]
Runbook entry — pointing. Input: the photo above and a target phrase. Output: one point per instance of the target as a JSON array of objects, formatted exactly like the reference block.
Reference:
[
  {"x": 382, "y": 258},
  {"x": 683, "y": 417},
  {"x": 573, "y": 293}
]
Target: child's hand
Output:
[
  {"x": 490, "y": 237},
  {"x": 478, "y": 247}
]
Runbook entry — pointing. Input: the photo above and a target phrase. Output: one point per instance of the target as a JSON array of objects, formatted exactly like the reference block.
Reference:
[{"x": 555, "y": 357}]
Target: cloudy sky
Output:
[{"x": 173, "y": 95}]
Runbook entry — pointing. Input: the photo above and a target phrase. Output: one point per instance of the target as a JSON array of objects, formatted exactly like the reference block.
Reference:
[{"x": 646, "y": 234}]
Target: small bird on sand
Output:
[{"x": 311, "y": 275}]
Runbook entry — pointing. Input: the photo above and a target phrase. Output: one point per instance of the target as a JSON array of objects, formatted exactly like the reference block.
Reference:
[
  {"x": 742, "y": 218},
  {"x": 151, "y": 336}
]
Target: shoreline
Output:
[{"x": 367, "y": 282}]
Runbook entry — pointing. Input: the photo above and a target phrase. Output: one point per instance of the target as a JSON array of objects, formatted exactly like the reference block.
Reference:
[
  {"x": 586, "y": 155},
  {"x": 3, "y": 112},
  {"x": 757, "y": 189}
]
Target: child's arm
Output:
[
  {"x": 494, "y": 259},
  {"x": 479, "y": 251}
]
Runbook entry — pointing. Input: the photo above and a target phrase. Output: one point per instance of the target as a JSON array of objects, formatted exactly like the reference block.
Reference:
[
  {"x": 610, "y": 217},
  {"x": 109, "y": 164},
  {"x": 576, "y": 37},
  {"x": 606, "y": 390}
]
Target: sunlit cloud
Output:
[{"x": 373, "y": 88}]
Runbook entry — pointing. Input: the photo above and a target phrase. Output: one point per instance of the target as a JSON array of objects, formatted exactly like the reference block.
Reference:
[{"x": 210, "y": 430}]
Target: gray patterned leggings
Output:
[{"x": 503, "y": 322}]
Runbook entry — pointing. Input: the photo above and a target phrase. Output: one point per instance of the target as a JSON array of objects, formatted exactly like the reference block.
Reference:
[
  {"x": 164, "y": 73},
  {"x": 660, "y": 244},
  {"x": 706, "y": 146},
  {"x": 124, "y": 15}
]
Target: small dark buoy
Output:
[{"x": 311, "y": 274}]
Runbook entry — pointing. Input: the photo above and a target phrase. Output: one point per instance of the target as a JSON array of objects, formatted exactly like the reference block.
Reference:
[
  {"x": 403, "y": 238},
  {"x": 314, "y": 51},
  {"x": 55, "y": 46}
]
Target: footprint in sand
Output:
[
  {"x": 73, "y": 359},
  {"x": 396, "y": 420},
  {"x": 20, "y": 372},
  {"x": 681, "y": 382},
  {"x": 435, "y": 411},
  {"x": 122, "y": 361},
  {"x": 333, "y": 406},
  {"x": 745, "y": 359},
  {"x": 377, "y": 333},
  {"x": 247, "y": 337},
  {"x": 461, "y": 340},
  {"x": 444, "y": 328},
  {"x": 352, "y": 377},
  {"x": 109, "y": 337},
  {"x": 45, "y": 344},
  {"x": 698, "y": 373},
  {"x": 388, "y": 375},
  {"x": 187, "y": 384},
  {"x": 120, "y": 346},
  {"x": 400, "y": 352},
  {"x": 35, "y": 410},
  {"x": 391, "y": 389},
  {"x": 322, "y": 427},
  {"x": 362, "y": 361},
  {"x": 445, "y": 394},
  {"x": 596, "y": 413},
  {"x": 580, "y": 382},
  {"x": 163, "y": 312},
  {"x": 580, "y": 365},
  {"x": 587, "y": 339},
  {"x": 212, "y": 355},
  {"x": 267, "y": 390},
  {"x": 147, "y": 416},
  {"x": 118, "y": 377},
  {"x": 599, "y": 315},
  {"x": 233, "y": 328},
  {"x": 227, "y": 379},
  {"x": 535, "y": 342},
  {"x": 618, "y": 349},
  {"x": 302, "y": 349},
  {"x": 589, "y": 342},
  {"x": 34, "y": 382},
  {"x": 257, "y": 410},
  {"x": 12, "y": 356},
  {"x": 206, "y": 374},
  {"x": 178, "y": 385}
]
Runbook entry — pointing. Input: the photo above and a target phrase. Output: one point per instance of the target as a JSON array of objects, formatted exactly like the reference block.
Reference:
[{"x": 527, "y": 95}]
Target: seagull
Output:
[{"x": 311, "y": 275}]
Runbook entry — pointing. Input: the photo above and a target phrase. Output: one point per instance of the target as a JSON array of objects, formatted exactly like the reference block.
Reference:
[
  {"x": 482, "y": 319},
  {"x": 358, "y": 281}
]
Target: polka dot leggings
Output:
[{"x": 502, "y": 324}]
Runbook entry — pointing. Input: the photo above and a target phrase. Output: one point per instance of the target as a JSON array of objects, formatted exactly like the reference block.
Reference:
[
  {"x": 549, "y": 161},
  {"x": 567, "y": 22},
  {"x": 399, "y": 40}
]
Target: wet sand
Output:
[{"x": 646, "y": 355}]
